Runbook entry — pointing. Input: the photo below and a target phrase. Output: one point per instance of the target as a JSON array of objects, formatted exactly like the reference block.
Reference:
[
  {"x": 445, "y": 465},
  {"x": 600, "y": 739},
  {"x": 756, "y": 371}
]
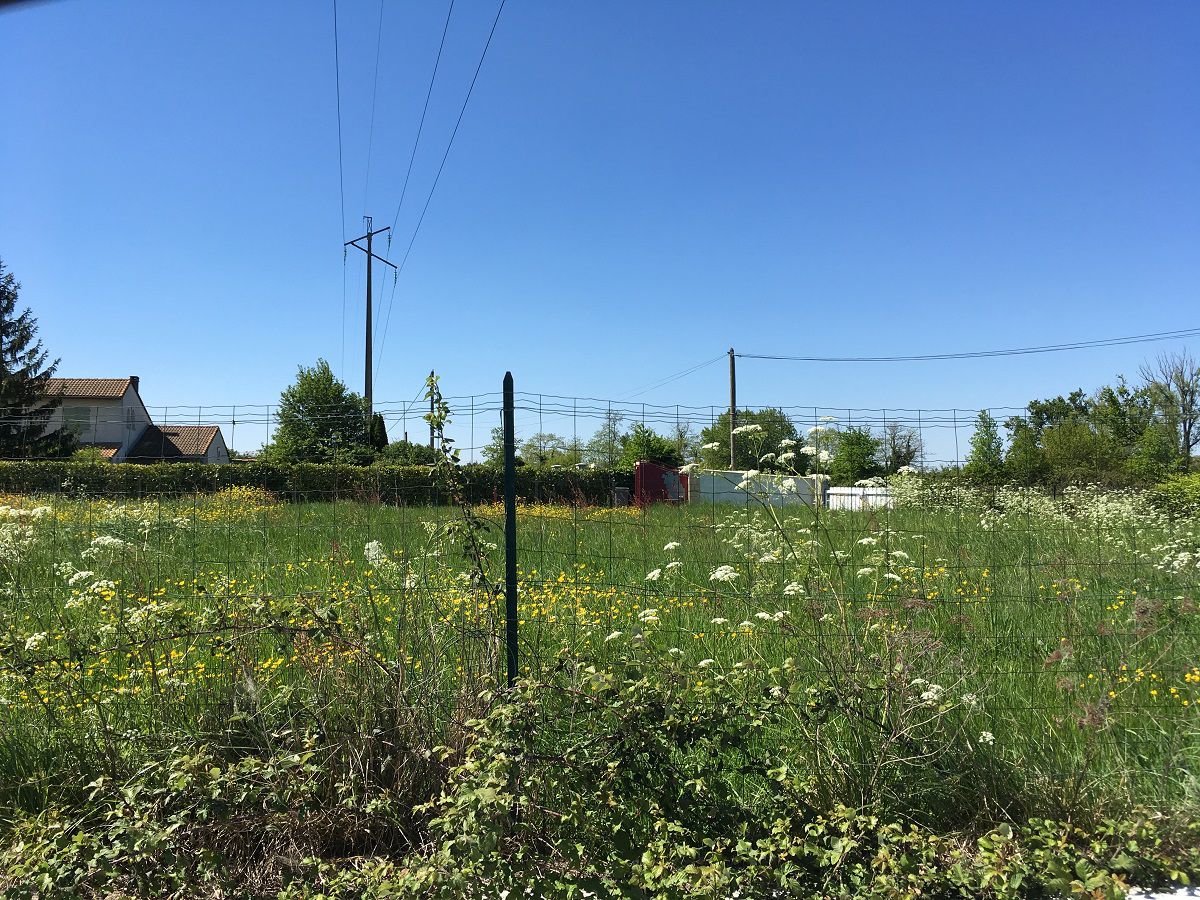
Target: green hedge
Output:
[{"x": 305, "y": 482}]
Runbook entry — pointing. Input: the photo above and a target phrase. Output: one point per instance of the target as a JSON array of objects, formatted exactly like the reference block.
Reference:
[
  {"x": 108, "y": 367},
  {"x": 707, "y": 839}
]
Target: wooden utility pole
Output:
[
  {"x": 732, "y": 405},
  {"x": 369, "y": 383}
]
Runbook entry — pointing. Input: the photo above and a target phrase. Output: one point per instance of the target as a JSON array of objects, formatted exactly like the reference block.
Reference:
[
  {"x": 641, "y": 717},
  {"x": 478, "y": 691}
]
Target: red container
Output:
[{"x": 653, "y": 483}]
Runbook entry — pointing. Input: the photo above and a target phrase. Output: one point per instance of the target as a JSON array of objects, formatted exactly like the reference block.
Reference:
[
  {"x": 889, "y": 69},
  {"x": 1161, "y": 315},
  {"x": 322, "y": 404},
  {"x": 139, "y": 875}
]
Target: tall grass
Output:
[{"x": 963, "y": 659}]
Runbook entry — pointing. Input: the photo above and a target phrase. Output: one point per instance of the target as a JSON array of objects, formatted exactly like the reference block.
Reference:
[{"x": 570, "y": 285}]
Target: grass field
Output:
[{"x": 956, "y": 660}]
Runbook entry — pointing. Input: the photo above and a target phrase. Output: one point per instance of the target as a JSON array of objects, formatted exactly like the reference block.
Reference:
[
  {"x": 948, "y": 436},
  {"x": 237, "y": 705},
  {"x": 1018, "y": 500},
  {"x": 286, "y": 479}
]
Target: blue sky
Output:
[{"x": 635, "y": 187}]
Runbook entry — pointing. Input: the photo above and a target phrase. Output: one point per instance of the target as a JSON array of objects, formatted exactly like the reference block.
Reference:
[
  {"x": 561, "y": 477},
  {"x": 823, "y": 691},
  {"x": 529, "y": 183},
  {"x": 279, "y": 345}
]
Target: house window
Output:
[{"x": 77, "y": 419}]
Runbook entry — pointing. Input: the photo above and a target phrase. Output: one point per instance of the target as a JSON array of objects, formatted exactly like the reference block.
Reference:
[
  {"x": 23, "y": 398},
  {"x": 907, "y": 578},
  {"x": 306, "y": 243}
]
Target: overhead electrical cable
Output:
[
  {"x": 670, "y": 378},
  {"x": 408, "y": 174},
  {"x": 374, "y": 94},
  {"x": 424, "y": 110},
  {"x": 446, "y": 155},
  {"x": 337, "y": 81},
  {"x": 983, "y": 354}
]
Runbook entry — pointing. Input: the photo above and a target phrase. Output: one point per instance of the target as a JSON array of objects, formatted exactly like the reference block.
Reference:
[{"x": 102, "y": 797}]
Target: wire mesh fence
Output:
[{"x": 1058, "y": 626}]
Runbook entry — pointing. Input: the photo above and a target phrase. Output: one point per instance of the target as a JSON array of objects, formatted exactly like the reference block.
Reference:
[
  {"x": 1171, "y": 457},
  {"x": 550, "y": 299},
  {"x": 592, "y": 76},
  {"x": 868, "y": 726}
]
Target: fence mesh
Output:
[{"x": 1059, "y": 626}]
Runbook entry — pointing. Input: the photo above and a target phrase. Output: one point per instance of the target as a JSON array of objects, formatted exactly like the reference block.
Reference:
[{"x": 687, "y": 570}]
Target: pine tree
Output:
[
  {"x": 25, "y": 370},
  {"x": 379, "y": 437}
]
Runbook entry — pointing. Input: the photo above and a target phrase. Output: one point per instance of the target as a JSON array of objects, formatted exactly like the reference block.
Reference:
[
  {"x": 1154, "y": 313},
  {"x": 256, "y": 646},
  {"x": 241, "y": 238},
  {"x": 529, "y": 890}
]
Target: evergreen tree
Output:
[
  {"x": 985, "y": 463},
  {"x": 379, "y": 438},
  {"x": 25, "y": 370}
]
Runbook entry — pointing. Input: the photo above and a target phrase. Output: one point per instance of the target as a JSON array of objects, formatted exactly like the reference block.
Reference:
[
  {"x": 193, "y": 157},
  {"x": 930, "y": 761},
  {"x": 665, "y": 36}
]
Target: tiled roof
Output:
[
  {"x": 174, "y": 441},
  {"x": 89, "y": 388}
]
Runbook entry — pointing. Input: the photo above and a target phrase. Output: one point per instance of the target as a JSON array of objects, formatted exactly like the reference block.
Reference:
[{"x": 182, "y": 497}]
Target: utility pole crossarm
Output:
[{"x": 371, "y": 255}]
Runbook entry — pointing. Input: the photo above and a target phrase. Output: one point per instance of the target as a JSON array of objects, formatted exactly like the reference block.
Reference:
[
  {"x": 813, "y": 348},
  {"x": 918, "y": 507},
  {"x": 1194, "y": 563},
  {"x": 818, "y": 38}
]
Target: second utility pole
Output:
[
  {"x": 732, "y": 405},
  {"x": 367, "y": 393}
]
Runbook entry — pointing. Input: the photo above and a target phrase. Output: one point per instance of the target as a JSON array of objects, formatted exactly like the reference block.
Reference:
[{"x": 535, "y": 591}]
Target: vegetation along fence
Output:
[{"x": 978, "y": 650}]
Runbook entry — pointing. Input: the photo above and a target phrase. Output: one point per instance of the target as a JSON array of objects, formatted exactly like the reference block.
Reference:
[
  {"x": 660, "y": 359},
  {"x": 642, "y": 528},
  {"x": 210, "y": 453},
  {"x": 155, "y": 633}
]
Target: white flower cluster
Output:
[{"x": 723, "y": 573}]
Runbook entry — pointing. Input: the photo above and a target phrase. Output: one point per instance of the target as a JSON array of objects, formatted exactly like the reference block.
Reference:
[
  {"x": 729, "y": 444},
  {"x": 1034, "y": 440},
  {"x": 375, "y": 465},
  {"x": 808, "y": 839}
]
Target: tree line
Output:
[{"x": 1119, "y": 434}]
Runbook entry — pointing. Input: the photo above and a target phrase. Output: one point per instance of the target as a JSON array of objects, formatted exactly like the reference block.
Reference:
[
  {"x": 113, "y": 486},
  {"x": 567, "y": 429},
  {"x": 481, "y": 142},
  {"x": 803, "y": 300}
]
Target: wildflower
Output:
[
  {"x": 714, "y": 445},
  {"x": 689, "y": 468},
  {"x": 675, "y": 651},
  {"x": 374, "y": 554},
  {"x": 900, "y": 554},
  {"x": 932, "y": 693},
  {"x": 767, "y": 458},
  {"x": 673, "y": 545},
  {"x": 793, "y": 589},
  {"x": 654, "y": 575},
  {"x": 906, "y": 470},
  {"x": 35, "y": 640},
  {"x": 648, "y": 616},
  {"x": 788, "y": 486},
  {"x": 865, "y": 571},
  {"x": 723, "y": 573},
  {"x": 808, "y": 450},
  {"x": 765, "y": 616},
  {"x": 748, "y": 429},
  {"x": 786, "y": 457},
  {"x": 613, "y": 636},
  {"x": 673, "y": 565},
  {"x": 971, "y": 700},
  {"x": 986, "y": 737},
  {"x": 867, "y": 541},
  {"x": 892, "y": 576},
  {"x": 720, "y": 621},
  {"x": 787, "y": 442},
  {"x": 828, "y": 418}
]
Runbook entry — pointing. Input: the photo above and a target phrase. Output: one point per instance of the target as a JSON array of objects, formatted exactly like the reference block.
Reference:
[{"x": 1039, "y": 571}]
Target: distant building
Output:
[
  {"x": 181, "y": 443},
  {"x": 108, "y": 414}
]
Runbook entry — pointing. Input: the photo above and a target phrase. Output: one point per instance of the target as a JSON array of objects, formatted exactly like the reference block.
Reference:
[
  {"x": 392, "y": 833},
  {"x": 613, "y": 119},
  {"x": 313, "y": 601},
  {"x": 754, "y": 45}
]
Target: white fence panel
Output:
[
  {"x": 708, "y": 486},
  {"x": 858, "y": 498}
]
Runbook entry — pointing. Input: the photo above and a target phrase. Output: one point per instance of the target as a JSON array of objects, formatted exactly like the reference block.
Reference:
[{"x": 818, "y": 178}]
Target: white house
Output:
[{"x": 108, "y": 414}]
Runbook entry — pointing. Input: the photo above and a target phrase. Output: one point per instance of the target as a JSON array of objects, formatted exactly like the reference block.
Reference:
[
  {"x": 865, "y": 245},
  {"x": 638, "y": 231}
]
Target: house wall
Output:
[
  {"x": 217, "y": 451},
  {"x": 104, "y": 421}
]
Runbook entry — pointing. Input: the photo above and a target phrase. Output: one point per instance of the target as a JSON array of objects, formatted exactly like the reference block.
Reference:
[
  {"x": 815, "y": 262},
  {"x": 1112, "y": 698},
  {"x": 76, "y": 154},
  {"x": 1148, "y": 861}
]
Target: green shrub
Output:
[
  {"x": 303, "y": 482},
  {"x": 1179, "y": 495}
]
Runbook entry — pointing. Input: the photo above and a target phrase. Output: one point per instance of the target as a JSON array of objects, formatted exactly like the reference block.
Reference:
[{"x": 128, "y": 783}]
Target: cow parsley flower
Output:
[
  {"x": 723, "y": 573},
  {"x": 672, "y": 545},
  {"x": 986, "y": 737},
  {"x": 748, "y": 429},
  {"x": 654, "y": 575}
]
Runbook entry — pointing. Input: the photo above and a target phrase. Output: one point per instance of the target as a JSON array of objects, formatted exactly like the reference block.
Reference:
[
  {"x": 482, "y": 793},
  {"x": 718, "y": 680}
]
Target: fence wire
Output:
[{"x": 1062, "y": 627}]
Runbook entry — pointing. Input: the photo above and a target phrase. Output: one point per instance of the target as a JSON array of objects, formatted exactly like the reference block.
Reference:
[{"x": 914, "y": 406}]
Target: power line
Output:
[
  {"x": 421, "y": 125},
  {"x": 408, "y": 174},
  {"x": 446, "y": 155},
  {"x": 980, "y": 354},
  {"x": 670, "y": 378},
  {"x": 374, "y": 94},
  {"x": 337, "y": 80}
]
